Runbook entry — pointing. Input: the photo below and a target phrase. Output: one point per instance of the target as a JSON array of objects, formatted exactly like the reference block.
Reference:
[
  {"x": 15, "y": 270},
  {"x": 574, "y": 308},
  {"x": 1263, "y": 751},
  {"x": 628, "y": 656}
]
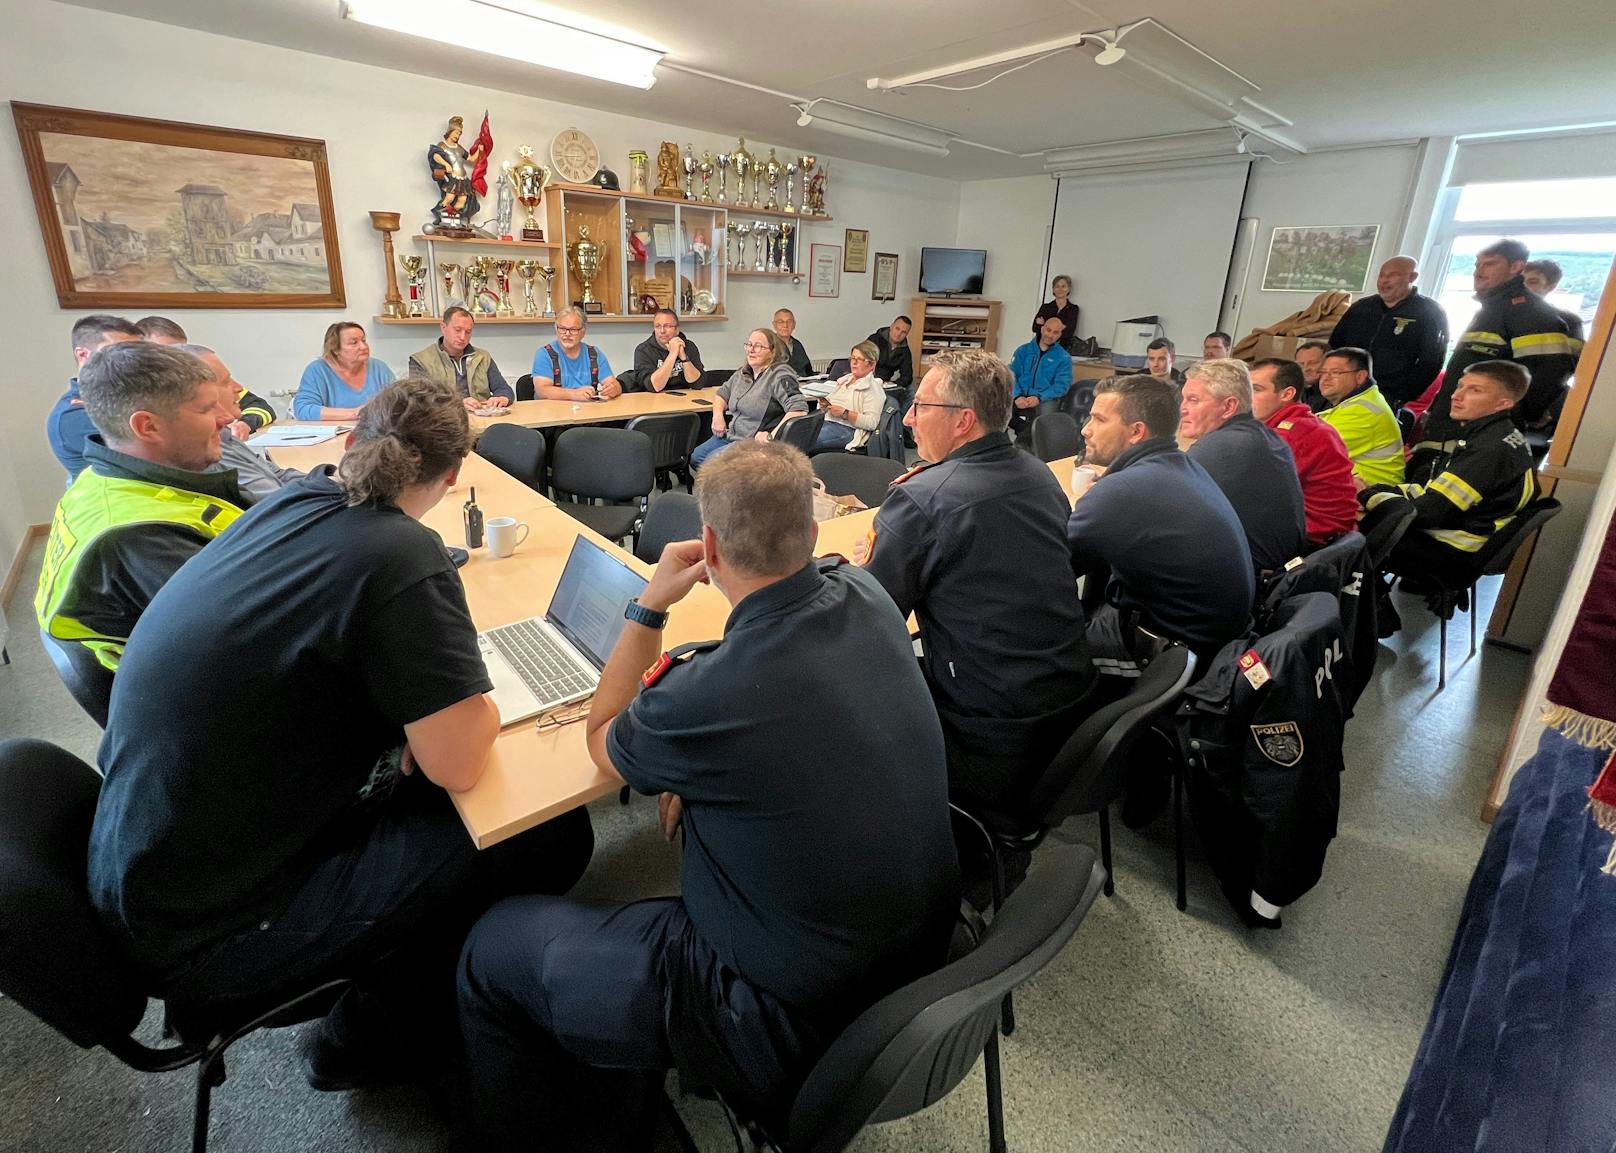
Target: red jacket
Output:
[{"x": 1329, "y": 499}]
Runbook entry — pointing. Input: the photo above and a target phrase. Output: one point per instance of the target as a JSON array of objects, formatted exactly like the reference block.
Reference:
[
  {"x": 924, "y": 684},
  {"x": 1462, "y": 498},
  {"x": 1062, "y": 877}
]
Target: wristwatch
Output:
[{"x": 641, "y": 615}]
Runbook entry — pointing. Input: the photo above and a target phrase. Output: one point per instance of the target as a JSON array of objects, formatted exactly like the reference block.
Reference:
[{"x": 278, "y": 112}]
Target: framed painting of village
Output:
[{"x": 142, "y": 213}]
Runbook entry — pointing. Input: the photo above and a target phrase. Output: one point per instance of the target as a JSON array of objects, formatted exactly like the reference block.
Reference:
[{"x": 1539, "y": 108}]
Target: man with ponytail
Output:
[{"x": 311, "y": 834}]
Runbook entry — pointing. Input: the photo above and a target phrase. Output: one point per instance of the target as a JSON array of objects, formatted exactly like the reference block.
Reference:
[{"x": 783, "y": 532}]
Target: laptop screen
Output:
[{"x": 588, "y": 604}]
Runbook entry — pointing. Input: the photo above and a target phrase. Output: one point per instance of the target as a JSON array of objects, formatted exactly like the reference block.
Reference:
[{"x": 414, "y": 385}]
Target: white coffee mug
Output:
[
  {"x": 504, "y": 533},
  {"x": 1083, "y": 478}
]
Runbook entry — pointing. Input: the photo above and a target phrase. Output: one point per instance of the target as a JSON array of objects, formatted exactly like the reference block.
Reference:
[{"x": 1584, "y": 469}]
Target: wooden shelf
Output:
[
  {"x": 765, "y": 275},
  {"x": 730, "y": 206},
  {"x": 482, "y": 243},
  {"x": 737, "y": 210},
  {"x": 686, "y": 318}
]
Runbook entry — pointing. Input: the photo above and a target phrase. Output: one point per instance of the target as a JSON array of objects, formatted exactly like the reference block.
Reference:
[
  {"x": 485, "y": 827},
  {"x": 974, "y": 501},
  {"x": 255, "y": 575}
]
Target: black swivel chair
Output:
[
  {"x": 1385, "y": 530},
  {"x": 911, "y": 1048},
  {"x": 800, "y": 432},
  {"x": 86, "y": 678},
  {"x": 674, "y": 436},
  {"x": 672, "y": 516},
  {"x": 1055, "y": 435},
  {"x": 516, "y": 450},
  {"x": 610, "y": 464},
  {"x": 1077, "y": 402},
  {"x": 56, "y": 961},
  {"x": 524, "y": 387},
  {"x": 867, "y": 477},
  {"x": 713, "y": 377},
  {"x": 839, "y": 368}
]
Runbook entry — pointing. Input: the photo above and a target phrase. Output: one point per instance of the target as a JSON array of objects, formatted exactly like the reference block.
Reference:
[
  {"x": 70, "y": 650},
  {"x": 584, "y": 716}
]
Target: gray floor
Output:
[{"x": 1154, "y": 1030}]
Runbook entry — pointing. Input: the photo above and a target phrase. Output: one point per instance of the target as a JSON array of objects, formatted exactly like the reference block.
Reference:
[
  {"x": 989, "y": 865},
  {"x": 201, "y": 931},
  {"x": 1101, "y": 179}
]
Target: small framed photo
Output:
[
  {"x": 884, "y": 284},
  {"x": 824, "y": 270},
  {"x": 857, "y": 258}
]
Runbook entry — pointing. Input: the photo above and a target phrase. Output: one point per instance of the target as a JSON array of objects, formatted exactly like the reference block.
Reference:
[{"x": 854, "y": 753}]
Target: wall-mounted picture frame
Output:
[
  {"x": 857, "y": 258},
  {"x": 884, "y": 284},
  {"x": 139, "y": 213},
  {"x": 1322, "y": 259},
  {"x": 824, "y": 270}
]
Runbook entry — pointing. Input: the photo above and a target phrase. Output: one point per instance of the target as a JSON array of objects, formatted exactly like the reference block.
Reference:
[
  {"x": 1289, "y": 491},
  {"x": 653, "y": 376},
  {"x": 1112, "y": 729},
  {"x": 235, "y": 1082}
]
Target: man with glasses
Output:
[
  {"x": 1361, "y": 415},
  {"x": 569, "y": 369},
  {"x": 973, "y": 544},
  {"x": 667, "y": 356}
]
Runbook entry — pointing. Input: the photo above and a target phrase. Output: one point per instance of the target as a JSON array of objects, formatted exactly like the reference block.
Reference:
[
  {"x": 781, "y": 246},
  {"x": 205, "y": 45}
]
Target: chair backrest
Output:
[
  {"x": 867, "y": 477},
  {"x": 713, "y": 377},
  {"x": 85, "y": 676},
  {"x": 1496, "y": 554},
  {"x": 1387, "y": 530},
  {"x": 672, "y": 516},
  {"x": 913, "y": 1046},
  {"x": 839, "y": 368},
  {"x": 1077, "y": 402},
  {"x": 1091, "y": 769},
  {"x": 610, "y": 463},
  {"x": 801, "y": 432},
  {"x": 674, "y": 435},
  {"x": 516, "y": 450},
  {"x": 1054, "y": 435},
  {"x": 55, "y": 959},
  {"x": 524, "y": 387}
]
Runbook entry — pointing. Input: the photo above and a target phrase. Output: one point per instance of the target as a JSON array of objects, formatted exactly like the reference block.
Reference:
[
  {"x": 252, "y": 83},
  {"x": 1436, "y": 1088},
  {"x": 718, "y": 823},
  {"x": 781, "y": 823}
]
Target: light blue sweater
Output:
[{"x": 321, "y": 387}]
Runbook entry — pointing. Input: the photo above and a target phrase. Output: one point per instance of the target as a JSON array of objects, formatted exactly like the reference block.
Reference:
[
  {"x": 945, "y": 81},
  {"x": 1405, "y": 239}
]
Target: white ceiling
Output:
[{"x": 1345, "y": 71}]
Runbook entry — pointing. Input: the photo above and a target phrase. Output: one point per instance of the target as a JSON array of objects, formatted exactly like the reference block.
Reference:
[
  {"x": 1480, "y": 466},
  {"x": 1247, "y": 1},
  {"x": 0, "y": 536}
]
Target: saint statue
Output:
[{"x": 451, "y": 167}]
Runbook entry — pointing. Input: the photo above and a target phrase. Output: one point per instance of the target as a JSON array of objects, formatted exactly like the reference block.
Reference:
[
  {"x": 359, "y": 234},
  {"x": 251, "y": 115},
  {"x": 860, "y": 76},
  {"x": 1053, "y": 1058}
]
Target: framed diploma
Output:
[
  {"x": 857, "y": 258},
  {"x": 825, "y": 270},
  {"x": 884, "y": 284}
]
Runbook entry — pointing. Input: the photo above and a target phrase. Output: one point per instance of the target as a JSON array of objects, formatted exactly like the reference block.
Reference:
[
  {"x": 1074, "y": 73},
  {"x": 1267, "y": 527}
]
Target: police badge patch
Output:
[
  {"x": 1281, "y": 743},
  {"x": 1401, "y": 322}
]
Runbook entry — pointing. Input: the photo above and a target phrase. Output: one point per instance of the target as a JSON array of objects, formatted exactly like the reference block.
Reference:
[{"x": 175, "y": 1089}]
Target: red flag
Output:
[{"x": 479, "y": 174}]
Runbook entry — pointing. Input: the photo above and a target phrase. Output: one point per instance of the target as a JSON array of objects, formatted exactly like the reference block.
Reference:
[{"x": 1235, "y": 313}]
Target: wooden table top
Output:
[{"x": 558, "y": 413}]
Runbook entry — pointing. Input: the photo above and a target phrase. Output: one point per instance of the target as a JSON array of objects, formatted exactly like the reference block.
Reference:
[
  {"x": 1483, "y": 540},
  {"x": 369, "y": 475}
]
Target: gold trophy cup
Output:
[
  {"x": 587, "y": 258},
  {"x": 527, "y": 270},
  {"x": 451, "y": 283},
  {"x": 415, "y": 277},
  {"x": 529, "y": 179},
  {"x": 502, "y": 277}
]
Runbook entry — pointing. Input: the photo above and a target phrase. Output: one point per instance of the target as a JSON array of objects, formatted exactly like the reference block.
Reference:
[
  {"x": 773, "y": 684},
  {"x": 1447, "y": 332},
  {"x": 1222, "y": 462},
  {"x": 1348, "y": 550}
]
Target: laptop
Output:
[{"x": 555, "y": 659}]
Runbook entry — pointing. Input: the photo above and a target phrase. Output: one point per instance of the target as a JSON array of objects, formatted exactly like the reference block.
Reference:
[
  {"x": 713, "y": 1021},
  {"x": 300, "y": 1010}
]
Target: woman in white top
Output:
[{"x": 853, "y": 409}]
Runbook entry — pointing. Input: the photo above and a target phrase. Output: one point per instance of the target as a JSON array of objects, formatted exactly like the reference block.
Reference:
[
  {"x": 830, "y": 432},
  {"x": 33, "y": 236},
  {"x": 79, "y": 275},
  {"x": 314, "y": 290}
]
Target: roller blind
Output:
[{"x": 1558, "y": 156}]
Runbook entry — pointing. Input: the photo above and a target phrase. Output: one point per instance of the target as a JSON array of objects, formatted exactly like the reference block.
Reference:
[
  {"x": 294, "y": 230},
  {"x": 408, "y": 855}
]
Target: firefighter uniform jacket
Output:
[
  {"x": 1477, "y": 485},
  {"x": 1512, "y": 324},
  {"x": 1406, "y": 342},
  {"x": 1262, "y": 736}
]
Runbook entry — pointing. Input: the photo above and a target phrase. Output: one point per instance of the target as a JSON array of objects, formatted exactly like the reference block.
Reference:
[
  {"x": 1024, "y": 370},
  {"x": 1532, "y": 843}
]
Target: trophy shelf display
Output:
[{"x": 483, "y": 242}]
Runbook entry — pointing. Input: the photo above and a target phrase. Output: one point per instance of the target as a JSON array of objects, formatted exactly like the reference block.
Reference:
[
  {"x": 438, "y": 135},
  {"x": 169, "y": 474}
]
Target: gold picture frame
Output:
[{"x": 856, "y": 254}]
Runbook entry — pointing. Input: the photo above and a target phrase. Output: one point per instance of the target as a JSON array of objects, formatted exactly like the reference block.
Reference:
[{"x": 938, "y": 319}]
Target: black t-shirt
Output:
[
  {"x": 256, "y": 696},
  {"x": 648, "y": 355},
  {"x": 818, "y": 861}
]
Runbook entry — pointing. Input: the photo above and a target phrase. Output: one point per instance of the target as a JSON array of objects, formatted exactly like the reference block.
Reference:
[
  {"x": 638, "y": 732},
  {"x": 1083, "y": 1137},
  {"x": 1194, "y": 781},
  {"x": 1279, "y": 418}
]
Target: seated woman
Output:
[
  {"x": 313, "y": 836},
  {"x": 853, "y": 409},
  {"x": 1061, "y": 306},
  {"x": 337, "y": 385},
  {"x": 752, "y": 402}
]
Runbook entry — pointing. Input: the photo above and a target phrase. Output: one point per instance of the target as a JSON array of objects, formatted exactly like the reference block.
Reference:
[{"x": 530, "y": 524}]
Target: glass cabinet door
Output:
[
  {"x": 702, "y": 240},
  {"x": 593, "y": 231},
  {"x": 651, "y": 254}
]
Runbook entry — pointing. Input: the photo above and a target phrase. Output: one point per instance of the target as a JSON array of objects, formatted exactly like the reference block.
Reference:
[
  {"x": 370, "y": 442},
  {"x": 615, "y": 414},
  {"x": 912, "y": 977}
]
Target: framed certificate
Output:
[
  {"x": 858, "y": 251},
  {"x": 884, "y": 284},
  {"x": 825, "y": 270}
]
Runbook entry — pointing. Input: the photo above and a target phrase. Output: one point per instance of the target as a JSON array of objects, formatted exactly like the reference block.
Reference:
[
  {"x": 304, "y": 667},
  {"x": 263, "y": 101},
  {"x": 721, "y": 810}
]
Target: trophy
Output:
[
  {"x": 502, "y": 277},
  {"x": 742, "y": 231},
  {"x": 774, "y": 248},
  {"x": 806, "y": 165},
  {"x": 387, "y": 223},
  {"x": 479, "y": 270},
  {"x": 527, "y": 270},
  {"x": 744, "y": 162},
  {"x": 705, "y": 167},
  {"x": 587, "y": 258},
  {"x": 772, "y": 169},
  {"x": 548, "y": 272},
  {"x": 723, "y": 174},
  {"x": 639, "y": 173},
  {"x": 701, "y": 250},
  {"x": 687, "y": 165},
  {"x": 415, "y": 277},
  {"x": 529, "y": 180},
  {"x": 760, "y": 230},
  {"x": 451, "y": 284},
  {"x": 816, "y": 190},
  {"x": 791, "y": 175},
  {"x": 786, "y": 228},
  {"x": 667, "y": 171}
]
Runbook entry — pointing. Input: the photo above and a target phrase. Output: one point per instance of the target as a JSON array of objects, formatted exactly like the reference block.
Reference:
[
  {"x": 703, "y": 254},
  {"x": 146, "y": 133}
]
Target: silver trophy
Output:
[
  {"x": 706, "y": 168},
  {"x": 760, "y": 232},
  {"x": 528, "y": 270},
  {"x": 688, "y": 165},
  {"x": 723, "y": 160},
  {"x": 774, "y": 247},
  {"x": 791, "y": 176},
  {"x": 548, "y": 272},
  {"x": 807, "y": 164},
  {"x": 742, "y": 231}
]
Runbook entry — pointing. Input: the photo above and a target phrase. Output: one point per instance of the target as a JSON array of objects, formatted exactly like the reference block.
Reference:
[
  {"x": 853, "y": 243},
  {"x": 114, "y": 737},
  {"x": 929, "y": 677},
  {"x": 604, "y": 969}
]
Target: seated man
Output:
[
  {"x": 1361, "y": 415},
  {"x": 148, "y": 501},
  {"x": 469, "y": 372},
  {"x": 1246, "y": 459},
  {"x": 1310, "y": 356},
  {"x": 972, "y": 544},
  {"x": 802, "y": 755},
  {"x": 257, "y": 475},
  {"x": 1478, "y": 486},
  {"x": 69, "y": 421},
  {"x": 896, "y": 366},
  {"x": 785, "y": 324},
  {"x": 666, "y": 358},
  {"x": 161, "y": 330},
  {"x": 1043, "y": 375},
  {"x": 1329, "y": 496},
  {"x": 1216, "y": 345},
  {"x": 256, "y": 413},
  {"x": 569, "y": 369},
  {"x": 1155, "y": 535},
  {"x": 1160, "y": 361}
]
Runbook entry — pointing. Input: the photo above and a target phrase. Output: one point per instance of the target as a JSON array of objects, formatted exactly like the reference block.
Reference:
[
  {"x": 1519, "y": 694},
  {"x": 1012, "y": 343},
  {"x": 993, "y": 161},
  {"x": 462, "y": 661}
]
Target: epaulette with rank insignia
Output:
[
  {"x": 666, "y": 661},
  {"x": 921, "y": 467}
]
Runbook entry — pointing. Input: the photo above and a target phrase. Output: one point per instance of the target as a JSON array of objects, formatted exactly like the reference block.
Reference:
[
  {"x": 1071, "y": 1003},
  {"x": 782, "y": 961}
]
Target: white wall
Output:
[
  {"x": 1012, "y": 220},
  {"x": 376, "y": 124}
]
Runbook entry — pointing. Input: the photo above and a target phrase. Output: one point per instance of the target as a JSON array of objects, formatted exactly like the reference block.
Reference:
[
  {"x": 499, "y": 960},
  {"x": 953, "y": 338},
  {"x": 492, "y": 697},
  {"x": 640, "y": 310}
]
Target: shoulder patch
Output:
[
  {"x": 654, "y": 674},
  {"x": 1287, "y": 425},
  {"x": 921, "y": 467},
  {"x": 1280, "y": 743},
  {"x": 1253, "y": 669},
  {"x": 667, "y": 660}
]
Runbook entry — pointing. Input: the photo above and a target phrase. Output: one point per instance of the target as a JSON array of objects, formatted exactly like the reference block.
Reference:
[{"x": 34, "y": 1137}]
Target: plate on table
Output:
[{"x": 704, "y": 303}]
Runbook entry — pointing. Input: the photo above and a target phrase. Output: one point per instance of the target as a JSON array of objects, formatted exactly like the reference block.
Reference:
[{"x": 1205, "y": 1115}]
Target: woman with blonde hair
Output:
[
  {"x": 853, "y": 408},
  {"x": 337, "y": 385},
  {"x": 752, "y": 402}
]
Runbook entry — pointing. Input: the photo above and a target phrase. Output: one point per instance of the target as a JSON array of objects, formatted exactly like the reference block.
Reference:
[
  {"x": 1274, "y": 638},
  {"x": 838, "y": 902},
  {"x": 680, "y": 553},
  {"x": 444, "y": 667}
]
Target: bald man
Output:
[{"x": 1406, "y": 334}]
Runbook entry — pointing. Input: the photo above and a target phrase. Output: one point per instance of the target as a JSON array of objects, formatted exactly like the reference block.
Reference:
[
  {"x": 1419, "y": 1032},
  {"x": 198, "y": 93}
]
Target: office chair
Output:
[
  {"x": 86, "y": 678},
  {"x": 55, "y": 959},
  {"x": 1055, "y": 435},
  {"x": 674, "y": 436},
  {"x": 867, "y": 477},
  {"x": 516, "y": 450},
  {"x": 672, "y": 516},
  {"x": 839, "y": 368},
  {"x": 800, "y": 432},
  {"x": 524, "y": 387},
  {"x": 911, "y": 1048},
  {"x": 713, "y": 377},
  {"x": 610, "y": 464}
]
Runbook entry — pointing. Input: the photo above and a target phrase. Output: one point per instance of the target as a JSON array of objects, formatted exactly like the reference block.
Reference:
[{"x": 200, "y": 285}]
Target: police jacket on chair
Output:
[
  {"x": 1340, "y": 568},
  {"x": 1266, "y": 724},
  {"x": 1407, "y": 342}
]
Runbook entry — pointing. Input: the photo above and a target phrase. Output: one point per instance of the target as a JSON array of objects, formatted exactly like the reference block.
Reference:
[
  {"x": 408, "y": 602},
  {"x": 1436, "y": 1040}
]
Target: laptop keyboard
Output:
[{"x": 549, "y": 670}]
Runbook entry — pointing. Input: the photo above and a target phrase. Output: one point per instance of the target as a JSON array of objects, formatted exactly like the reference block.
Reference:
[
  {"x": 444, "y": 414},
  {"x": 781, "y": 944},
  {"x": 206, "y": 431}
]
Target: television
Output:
[{"x": 947, "y": 271}]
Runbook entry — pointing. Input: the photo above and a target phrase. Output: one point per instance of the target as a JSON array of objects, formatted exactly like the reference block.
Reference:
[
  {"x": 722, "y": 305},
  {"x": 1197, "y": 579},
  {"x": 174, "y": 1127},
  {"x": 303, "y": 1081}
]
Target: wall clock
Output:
[{"x": 574, "y": 155}]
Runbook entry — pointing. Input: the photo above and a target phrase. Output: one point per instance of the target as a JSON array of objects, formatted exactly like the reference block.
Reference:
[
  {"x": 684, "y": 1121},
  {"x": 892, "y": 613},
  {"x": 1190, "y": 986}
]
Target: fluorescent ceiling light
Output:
[
  {"x": 1214, "y": 143},
  {"x": 516, "y": 34},
  {"x": 863, "y": 124}
]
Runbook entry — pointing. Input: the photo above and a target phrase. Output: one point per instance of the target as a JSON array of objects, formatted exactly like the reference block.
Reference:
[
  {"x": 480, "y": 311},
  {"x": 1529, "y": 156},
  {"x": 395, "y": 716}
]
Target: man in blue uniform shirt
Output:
[
  {"x": 804, "y": 761},
  {"x": 1043, "y": 375},
  {"x": 69, "y": 421},
  {"x": 972, "y": 544},
  {"x": 568, "y": 368}
]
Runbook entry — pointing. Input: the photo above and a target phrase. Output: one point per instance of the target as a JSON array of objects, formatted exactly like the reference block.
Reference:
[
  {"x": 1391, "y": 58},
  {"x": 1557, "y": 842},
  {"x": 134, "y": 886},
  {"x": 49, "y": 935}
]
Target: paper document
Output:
[{"x": 301, "y": 435}]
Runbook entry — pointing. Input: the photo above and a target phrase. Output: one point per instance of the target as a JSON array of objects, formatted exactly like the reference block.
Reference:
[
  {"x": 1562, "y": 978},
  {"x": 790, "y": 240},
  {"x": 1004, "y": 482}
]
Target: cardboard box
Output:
[{"x": 1281, "y": 346}]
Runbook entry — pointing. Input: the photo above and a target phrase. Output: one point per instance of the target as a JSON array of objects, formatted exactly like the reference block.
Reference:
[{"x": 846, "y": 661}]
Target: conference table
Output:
[{"x": 559, "y": 413}]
